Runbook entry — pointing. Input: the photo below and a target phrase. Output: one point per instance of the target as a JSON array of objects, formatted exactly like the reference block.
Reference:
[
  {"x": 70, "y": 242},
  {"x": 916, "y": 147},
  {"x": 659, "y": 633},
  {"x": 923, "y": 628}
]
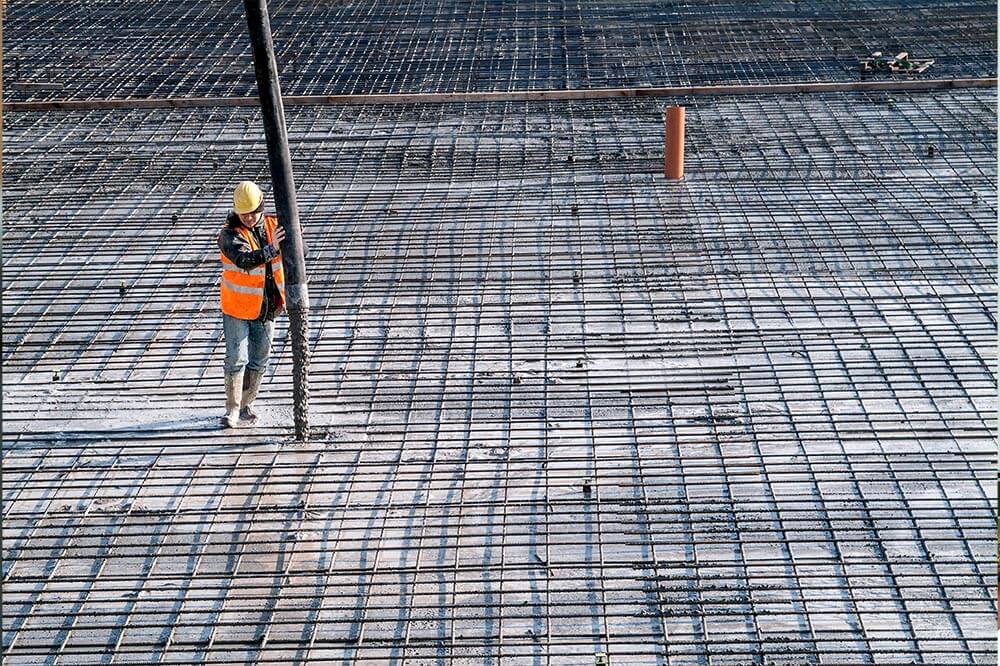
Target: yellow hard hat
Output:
[{"x": 247, "y": 198}]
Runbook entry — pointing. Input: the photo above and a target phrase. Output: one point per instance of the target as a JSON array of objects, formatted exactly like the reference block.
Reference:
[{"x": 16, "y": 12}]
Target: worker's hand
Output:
[{"x": 277, "y": 237}]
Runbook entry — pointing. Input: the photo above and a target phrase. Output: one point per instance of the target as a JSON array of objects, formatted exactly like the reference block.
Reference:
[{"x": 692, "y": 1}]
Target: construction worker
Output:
[{"x": 252, "y": 295}]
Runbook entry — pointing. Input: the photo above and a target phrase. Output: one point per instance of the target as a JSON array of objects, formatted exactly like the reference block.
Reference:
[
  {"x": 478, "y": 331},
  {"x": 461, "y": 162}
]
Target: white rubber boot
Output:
[
  {"x": 234, "y": 384},
  {"x": 251, "y": 384}
]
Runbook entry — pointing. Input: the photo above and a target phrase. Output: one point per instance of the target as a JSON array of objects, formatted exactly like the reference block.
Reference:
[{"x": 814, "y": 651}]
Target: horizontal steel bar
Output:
[{"x": 508, "y": 96}]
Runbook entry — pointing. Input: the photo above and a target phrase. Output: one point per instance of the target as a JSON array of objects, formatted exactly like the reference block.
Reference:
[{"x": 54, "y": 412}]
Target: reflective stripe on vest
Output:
[{"x": 242, "y": 292}]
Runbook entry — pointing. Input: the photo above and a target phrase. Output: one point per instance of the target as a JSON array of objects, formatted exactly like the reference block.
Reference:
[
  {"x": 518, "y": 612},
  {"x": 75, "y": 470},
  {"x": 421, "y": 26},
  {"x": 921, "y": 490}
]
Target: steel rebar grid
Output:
[
  {"x": 104, "y": 49},
  {"x": 778, "y": 381},
  {"x": 813, "y": 478}
]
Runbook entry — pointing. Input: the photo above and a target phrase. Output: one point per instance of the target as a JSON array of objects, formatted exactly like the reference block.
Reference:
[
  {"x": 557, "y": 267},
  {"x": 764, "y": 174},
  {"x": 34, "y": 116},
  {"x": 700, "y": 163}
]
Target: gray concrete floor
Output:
[{"x": 560, "y": 407}]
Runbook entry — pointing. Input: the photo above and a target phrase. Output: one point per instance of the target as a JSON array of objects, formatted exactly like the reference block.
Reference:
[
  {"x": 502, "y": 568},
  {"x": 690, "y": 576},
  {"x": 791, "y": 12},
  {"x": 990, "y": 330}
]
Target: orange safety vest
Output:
[{"x": 243, "y": 291}]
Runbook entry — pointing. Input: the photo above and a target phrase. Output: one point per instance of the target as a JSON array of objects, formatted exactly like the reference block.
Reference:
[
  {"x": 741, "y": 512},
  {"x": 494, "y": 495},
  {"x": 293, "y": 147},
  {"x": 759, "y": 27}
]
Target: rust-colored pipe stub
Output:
[{"x": 673, "y": 153}]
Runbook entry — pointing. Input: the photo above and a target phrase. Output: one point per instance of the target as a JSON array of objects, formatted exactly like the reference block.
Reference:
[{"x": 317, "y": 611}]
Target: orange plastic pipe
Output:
[{"x": 673, "y": 153}]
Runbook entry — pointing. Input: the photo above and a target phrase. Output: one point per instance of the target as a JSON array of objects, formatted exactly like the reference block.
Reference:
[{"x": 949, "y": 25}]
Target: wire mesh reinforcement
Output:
[
  {"x": 559, "y": 406},
  {"x": 113, "y": 48}
]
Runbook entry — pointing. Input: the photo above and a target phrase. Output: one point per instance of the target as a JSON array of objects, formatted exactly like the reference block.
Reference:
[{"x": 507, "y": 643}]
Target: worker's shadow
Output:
[{"x": 190, "y": 424}]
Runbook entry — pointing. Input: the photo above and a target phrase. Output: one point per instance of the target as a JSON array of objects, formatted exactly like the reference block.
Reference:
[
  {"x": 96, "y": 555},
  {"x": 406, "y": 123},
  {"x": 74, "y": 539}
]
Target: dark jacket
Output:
[{"x": 238, "y": 250}]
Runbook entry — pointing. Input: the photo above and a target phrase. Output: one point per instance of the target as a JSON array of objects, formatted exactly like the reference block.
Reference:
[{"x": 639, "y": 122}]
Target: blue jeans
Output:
[{"x": 248, "y": 344}]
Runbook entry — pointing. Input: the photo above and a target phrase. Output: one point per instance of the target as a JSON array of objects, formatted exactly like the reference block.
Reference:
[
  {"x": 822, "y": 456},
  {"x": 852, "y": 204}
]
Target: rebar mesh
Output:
[
  {"x": 559, "y": 406},
  {"x": 115, "y": 49}
]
